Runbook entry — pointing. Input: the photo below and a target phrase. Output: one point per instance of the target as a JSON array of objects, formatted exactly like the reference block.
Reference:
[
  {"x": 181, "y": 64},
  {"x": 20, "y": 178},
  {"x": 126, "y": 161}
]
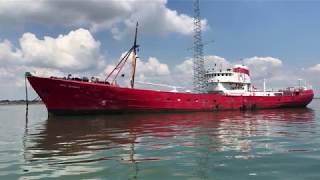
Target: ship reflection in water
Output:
[{"x": 164, "y": 145}]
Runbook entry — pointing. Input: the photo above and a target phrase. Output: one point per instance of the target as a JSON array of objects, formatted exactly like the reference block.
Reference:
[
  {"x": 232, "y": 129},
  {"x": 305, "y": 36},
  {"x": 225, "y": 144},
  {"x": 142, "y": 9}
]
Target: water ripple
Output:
[{"x": 266, "y": 144}]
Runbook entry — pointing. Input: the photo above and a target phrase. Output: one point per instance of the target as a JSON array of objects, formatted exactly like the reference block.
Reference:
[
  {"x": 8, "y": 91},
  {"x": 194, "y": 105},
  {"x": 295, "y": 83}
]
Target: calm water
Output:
[{"x": 267, "y": 144}]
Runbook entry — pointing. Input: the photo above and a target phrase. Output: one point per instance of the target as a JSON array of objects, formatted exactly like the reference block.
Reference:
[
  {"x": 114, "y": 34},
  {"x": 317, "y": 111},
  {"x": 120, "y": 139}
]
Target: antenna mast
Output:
[{"x": 198, "y": 59}]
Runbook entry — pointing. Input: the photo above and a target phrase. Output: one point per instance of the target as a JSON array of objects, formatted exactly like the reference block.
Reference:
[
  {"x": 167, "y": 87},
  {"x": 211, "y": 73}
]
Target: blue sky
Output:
[
  {"x": 283, "y": 29},
  {"x": 261, "y": 33}
]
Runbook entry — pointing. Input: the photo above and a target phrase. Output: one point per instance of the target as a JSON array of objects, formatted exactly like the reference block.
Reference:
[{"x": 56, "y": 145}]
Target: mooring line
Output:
[{"x": 27, "y": 100}]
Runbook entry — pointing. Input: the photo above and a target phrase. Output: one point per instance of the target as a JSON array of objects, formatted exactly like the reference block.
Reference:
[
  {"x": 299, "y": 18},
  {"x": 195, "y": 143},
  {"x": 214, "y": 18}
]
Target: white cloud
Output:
[
  {"x": 185, "y": 67},
  {"x": 117, "y": 16},
  {"x": 311, "y": 74},
  {"x": 79, "y": 52},
  {"x": 276, "y": 74},
  {"x": 211, "y": 61},
  {"x": 263, "y": 67},
  {"x": 38, "y": 71},
  {"x": 5, "y": 73},
  {"x": 315, "y": 68},
  {"x": 8, "y": 53},
  {"x": 149, "y": 70},
  {"x": 152, "y": 67},
  {"x": 183, "y": 74},
  {"x": 75, "y": 51},
  {"x": 263, "y": 61},
  {"x": 268, "y": 68}
]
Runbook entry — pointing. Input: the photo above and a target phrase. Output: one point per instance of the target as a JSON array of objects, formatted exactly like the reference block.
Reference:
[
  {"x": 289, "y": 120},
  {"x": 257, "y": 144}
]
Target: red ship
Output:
[{"x": 228, "y": 89}]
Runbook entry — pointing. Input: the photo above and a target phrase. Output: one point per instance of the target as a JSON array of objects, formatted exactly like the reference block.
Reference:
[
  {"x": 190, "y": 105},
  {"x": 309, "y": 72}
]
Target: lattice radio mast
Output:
[{"x": 198, "y": 59}]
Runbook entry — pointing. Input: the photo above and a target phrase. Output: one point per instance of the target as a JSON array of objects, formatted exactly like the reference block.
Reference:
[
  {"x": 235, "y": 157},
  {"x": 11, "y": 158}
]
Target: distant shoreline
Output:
[{"x": 18, "y": 102}]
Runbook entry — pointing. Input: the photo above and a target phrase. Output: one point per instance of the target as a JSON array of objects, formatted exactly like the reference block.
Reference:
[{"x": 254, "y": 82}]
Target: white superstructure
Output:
[{"x": 235, "y": 81}]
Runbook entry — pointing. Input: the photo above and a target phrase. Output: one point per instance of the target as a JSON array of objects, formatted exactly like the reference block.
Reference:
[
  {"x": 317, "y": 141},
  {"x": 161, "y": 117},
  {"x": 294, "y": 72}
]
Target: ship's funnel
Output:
[{"x": 241, "y": 69}]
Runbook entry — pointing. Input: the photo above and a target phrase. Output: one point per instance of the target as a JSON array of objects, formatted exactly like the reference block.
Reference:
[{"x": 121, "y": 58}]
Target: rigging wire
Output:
[{"x": 123, "y": 61}]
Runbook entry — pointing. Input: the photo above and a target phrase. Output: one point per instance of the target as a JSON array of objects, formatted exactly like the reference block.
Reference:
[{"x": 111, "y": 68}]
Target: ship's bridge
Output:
[{"x": 236, "y": 79}]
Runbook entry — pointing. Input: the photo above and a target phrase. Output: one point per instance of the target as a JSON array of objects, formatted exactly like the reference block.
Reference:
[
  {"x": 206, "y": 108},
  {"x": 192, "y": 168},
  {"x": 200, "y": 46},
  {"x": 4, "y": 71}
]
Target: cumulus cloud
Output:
[
  {"x": 150, "y": 70},
  {"x": 263, "y": 67},
  {"x": 312, "y": 75},
  {"x": 78, "y": 52},
  {"x": 75, "y": 51},
  {"x": 185, "y": 67},
  {"x": 211, "y": 61},
  {"x": 315, "y": 68},
  {"x": 6, "y": 73},
  {"x": 117, "y": 16},
  {"x": 8, "y": 53},
  {"x": 262, "y": 61},
  {"x": 268, "y": 68},
  {"x": 276, "y": 74},
  {"x": 152, "y": 67},
  {"x": 183, "y": 73},
  {"x": 38, "y": 71},
  {"x": 12, "y": 80}
]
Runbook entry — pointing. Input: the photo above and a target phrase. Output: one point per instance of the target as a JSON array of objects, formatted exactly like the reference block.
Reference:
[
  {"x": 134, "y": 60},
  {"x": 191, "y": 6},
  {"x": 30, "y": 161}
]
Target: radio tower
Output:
[{"x": 198, "y": 59}]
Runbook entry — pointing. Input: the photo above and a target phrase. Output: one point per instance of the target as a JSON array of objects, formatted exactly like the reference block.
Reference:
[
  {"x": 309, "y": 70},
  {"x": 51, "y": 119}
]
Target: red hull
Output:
[{"x": 66, "y": 96}]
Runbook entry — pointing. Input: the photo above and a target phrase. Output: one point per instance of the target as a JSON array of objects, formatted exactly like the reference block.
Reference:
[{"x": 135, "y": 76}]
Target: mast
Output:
[
  {"x": 134, "y": 60},
  {"x": 132, "y": 52},
  {"x": 198, "y": 59}
]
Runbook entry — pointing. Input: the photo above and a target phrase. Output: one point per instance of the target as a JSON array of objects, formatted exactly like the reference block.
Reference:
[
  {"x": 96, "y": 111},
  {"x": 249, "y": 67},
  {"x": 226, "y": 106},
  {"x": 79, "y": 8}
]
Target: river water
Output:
[{"x": 265, "y": 144}]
